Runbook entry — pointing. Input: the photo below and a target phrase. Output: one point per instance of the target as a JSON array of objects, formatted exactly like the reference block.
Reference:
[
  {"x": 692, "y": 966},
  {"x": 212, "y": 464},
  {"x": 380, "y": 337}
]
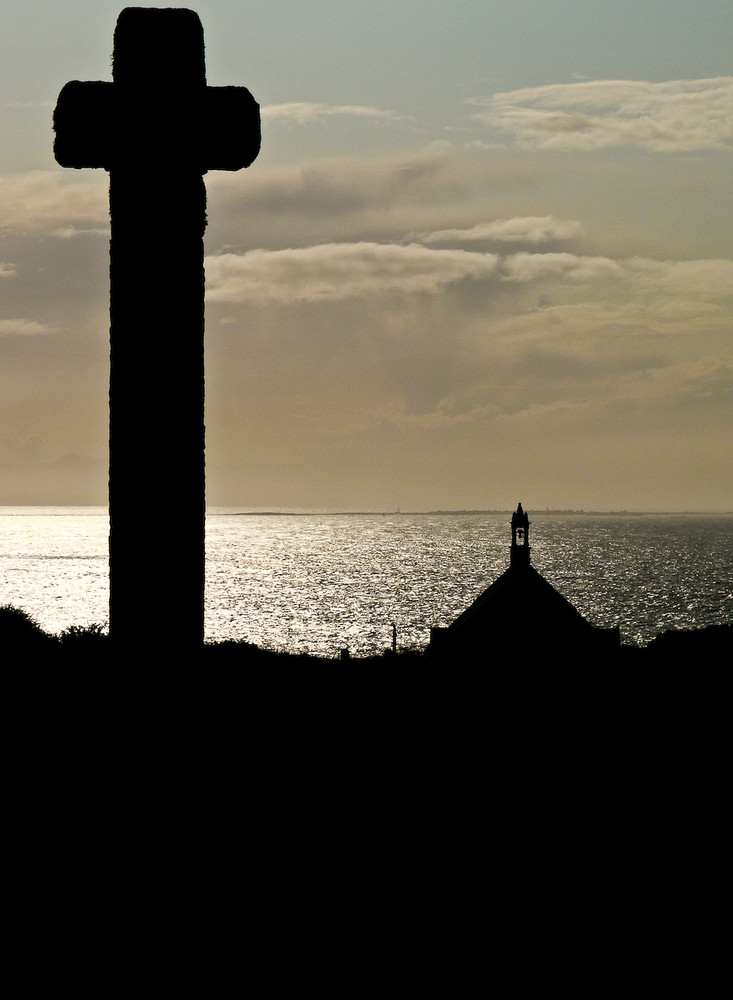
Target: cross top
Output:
[{"x": 158, "y": 111}]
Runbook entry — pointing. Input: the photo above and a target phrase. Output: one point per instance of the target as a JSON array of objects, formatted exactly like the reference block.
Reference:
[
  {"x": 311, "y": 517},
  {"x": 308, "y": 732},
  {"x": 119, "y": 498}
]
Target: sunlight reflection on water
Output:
[
  {"x": 53, "y": 564},
  {"x": 321, "y": 583}
]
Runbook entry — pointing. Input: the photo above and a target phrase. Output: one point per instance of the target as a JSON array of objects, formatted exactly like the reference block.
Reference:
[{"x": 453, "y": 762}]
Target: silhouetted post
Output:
[{"x": 157, "y": 128}]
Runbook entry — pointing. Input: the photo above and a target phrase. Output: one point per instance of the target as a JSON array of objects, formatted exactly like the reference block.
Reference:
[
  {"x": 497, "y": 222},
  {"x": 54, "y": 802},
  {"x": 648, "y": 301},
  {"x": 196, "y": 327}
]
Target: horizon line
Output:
[
  {"x": 319, "y": 512},
  {"x": 465, "y": 510}
]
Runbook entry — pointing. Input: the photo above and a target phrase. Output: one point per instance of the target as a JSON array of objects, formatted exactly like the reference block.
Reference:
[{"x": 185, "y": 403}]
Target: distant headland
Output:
[{"x": 233, "y": 512}]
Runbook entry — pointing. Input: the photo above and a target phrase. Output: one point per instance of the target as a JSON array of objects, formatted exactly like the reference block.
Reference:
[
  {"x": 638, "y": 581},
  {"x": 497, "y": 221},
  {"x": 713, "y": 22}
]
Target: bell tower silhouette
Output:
[{"x": 520, "y": 550}]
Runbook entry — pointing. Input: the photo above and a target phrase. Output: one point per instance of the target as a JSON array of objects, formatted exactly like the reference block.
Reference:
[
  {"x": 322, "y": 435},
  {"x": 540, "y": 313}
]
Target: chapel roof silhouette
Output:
[{"x": 520, "y": 612}]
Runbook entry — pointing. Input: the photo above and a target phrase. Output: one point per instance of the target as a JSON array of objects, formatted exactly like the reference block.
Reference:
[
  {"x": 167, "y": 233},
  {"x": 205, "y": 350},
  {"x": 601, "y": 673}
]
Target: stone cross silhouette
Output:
[{"x": 157, "y": 128}]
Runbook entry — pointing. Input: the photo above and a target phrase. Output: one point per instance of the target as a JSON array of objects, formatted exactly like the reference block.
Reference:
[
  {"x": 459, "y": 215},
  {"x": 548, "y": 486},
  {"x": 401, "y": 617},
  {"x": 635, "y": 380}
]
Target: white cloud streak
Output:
[
  {"x": 72, "y": 233},
  {"x": 24, "y": 328},
  {"x": 530, "y": 229},
  {"x": 304, "y": 113},
  {"x": 330, "y": 272},
  {"x": 675, "y": 116}
]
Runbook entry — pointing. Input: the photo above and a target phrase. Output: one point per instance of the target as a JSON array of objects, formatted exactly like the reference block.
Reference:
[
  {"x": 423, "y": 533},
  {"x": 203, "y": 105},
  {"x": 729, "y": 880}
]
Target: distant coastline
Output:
[
  {"x": 231, "y": 510},
  {"x": 470, "y": 512}
]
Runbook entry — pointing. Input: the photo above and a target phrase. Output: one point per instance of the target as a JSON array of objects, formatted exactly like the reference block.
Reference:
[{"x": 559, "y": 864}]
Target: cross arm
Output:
[
  {"x": 83, "y": 125},
  {"x": 100, "y": 124},
  {"x": 231, "y": 133}
]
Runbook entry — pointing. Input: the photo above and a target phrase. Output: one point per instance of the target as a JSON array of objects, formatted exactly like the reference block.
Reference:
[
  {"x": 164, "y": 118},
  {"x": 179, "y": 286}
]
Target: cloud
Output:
[
  {"x": 71, "y": 232},
  {"x": 526, "y": 229},
  {"x": 700, "y": 278},
  {"x": 535, "y": 266},
  {"x": 334, "y": 271},
  {"x": 23, "y": 105},
  {"x": 303, "y": 113},
  {"x": 669, "y": 295},
  {"x": 44, "y": 200},
  {"x": 24, "y": 328},
  {"x": 8, "y": 270},
  {"x": 675, "y": 116},
  {"x": 330, "y": 187}
]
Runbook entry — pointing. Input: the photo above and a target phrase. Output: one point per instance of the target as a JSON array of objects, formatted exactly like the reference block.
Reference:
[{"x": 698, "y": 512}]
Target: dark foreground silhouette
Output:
[
  {"x": 23, "y": 641},
  {"x": 277, "y": 808}
]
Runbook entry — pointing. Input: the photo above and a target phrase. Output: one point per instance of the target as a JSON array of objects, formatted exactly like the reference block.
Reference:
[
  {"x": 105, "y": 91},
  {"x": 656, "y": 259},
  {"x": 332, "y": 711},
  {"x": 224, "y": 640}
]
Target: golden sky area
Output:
[{"x": 486, "y": 254}]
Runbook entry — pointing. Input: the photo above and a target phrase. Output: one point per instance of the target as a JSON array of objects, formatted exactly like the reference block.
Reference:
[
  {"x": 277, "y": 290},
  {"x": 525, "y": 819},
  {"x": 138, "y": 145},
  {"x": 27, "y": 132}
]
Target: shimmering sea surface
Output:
[{"x": 320, "y": 583}]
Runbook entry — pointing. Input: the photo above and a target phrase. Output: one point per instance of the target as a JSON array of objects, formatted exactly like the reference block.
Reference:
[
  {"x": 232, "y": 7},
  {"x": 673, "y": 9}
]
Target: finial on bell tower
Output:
[{"x": 519, "y": 552}]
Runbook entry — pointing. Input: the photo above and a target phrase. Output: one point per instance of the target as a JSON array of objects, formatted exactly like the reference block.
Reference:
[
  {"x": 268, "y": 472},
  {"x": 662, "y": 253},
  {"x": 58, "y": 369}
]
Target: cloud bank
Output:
[
  {"x": 424, "y": 321},
  {"x": 675, "y": 116},
  {"x": 339, "y": 271}
]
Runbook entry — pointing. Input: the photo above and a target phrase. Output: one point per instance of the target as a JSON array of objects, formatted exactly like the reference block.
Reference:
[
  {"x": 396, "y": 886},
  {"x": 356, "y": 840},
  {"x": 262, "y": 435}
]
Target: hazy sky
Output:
[{"x": 486, "y": 255}]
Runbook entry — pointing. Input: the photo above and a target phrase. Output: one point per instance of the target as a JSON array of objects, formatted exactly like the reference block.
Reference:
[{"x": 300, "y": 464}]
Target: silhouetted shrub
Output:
[
  {"x": 84, "y": 634},
  {"x": 710, "y": 645},
  {"x": 20, "y": 632}
]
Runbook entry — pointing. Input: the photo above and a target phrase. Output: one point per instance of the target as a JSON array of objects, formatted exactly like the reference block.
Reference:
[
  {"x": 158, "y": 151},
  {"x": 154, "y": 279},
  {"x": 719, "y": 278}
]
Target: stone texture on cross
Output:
[{"x": 157, "y": 128}]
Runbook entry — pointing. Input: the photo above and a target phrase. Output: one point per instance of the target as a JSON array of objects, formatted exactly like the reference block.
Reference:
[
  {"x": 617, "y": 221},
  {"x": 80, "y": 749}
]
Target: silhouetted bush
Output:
[
  {"x": 20, "y": 632},
  {"x": 83, "y": 635},
  {"x": 706, "y": 646}
]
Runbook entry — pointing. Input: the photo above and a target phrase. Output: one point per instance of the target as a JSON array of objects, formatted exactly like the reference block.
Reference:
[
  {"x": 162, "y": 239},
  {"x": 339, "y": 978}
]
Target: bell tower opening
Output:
[{"x": 519, "y": 552}]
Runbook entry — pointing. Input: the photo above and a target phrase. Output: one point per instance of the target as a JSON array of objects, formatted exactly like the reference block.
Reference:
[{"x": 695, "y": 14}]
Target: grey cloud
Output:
[
  {"x": 328, "y": 188},
  {"x": 376, "y": 199},
  {"x": 713, "y": 278}
]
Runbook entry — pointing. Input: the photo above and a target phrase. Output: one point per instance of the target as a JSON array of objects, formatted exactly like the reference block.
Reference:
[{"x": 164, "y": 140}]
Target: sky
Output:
[{"x": 485, "y": 256}]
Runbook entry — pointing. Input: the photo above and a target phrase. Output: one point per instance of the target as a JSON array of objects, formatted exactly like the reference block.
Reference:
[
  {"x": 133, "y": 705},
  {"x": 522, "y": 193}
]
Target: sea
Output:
[{"x": 326, "y": 582}]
